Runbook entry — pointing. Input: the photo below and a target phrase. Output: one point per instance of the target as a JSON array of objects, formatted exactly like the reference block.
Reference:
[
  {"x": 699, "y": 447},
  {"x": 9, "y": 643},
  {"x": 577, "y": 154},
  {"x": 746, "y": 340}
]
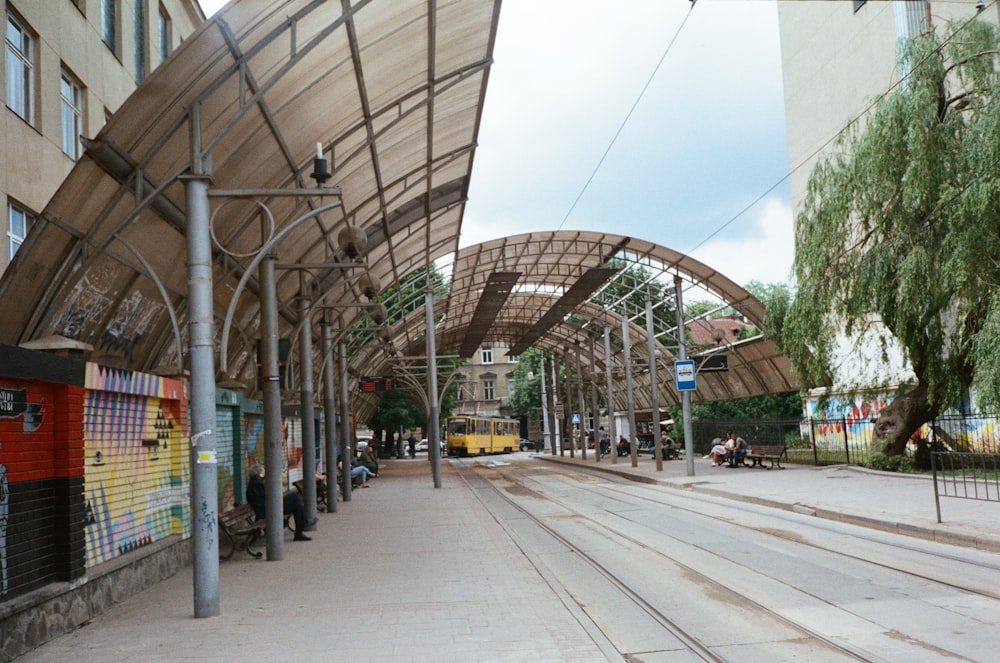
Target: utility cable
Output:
[
  {"x": 621, "y": 127},
  {"x": 826, "y": 144}
]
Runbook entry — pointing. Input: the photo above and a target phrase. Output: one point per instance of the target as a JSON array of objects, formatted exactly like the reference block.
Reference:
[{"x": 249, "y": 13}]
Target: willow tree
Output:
[{"x": 899, "y": 238}]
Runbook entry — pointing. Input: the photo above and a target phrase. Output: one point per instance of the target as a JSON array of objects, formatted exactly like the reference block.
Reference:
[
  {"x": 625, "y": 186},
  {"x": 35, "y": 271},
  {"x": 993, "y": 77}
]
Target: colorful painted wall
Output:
[
  {"x": 845, "y": 421},
  {"x": 850, "y": 422},
  {"x": 291, "y": 441},
  {"x": 137, "y": 471},
  {"x": 41, "y": 470},
  {"x": 231, "y": 468}
]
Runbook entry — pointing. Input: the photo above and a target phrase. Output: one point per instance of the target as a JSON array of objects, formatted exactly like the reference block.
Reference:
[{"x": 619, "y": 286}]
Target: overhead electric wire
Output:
[
  {"x": 833, "y": 138},
  {"x": 628, "y": 115}
]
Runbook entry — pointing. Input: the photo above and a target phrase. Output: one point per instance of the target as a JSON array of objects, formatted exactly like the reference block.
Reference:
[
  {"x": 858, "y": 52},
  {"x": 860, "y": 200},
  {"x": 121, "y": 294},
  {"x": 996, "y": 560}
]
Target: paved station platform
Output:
[{"x": 407, "y": 572}]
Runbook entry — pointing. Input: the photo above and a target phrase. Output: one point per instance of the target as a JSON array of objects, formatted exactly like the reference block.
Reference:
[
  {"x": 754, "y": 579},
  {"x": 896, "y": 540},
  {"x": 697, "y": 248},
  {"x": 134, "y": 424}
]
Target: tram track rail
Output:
[
  {"x": 819, "y": 524},
  {"x": 627, "y": 586}
]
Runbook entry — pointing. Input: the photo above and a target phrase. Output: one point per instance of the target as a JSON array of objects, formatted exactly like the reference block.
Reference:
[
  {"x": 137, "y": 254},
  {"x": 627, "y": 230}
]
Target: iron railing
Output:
[
  {"x": 847, "y": 440},
  {"x": 966, "y": 475}
]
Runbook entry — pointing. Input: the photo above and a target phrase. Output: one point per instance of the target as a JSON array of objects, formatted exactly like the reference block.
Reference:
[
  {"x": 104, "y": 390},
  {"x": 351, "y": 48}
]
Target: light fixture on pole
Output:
[
  {"x": 352, "y": 241},
  {"x": 320, "y": 172},
  {"x": 370, "y": 285}
]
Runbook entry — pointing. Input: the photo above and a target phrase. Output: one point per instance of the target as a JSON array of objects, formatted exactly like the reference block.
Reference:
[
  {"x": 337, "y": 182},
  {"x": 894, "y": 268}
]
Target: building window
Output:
[
  {"x": 71, "y": 97},
  {"x": 109, "y": 24},
  {"x": 487, "y": 354},
  {"x": 139, "y": 30},
  {"x": 488, "y": 390},
  {"x": 20, "y": 69},
  {"x": 163, "y": 33},
  {"x": 19, "y": 222}
]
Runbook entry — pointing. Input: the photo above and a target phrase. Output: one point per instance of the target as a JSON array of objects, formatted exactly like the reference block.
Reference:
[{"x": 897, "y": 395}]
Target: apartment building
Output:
[
  {"x": 837, "y": 57},
  {"x": 486, "y": 381},
  {"x": 68, "y": 65}
]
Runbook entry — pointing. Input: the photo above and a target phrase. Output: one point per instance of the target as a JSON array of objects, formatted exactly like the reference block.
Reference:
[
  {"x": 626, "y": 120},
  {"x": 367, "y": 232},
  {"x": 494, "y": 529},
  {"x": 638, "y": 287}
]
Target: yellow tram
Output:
[{"x": 470, "y": 434}]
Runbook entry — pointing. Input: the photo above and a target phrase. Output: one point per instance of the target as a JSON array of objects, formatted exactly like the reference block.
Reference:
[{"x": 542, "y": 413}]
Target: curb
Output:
[{"x": 940, "y": 534}]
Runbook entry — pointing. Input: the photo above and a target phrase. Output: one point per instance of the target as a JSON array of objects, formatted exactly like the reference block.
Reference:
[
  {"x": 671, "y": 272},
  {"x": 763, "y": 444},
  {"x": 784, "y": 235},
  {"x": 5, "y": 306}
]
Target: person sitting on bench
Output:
[
  {"x": 737, "y": 450},
  {"x": 292, "y": 502},
  {"x": 667, "y": 450}
]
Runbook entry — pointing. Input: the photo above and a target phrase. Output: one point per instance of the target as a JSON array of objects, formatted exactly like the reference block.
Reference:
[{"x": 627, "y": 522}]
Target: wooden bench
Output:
[
  {"x": 770, "y": 452},
  {"x": 320, "y": 492},
  {"x": 242, "y": 527}
]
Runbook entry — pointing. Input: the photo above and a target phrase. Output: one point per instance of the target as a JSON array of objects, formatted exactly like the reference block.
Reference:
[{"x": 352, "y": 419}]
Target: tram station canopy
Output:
[{"x": 392, "y": 91}]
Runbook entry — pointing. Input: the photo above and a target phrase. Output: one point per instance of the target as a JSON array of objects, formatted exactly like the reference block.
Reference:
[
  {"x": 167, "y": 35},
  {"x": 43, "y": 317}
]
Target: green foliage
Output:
[
  {"x": 397, "y": 411},
  {"x": 900, "y": 231},
  {"x": 526, "y": 393},
  {"x": 696, "y": 308},
  {"x": 893, "y": 463},
  {"x": 407, "y": 295},
  {"x": 627, "y": 293},
  {"x": 768, "y": 406},
  {"x": 777, "y": 298}
]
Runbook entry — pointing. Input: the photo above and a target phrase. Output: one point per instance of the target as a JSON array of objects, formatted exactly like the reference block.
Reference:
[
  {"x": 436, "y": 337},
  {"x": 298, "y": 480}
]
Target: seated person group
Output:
[{"x": 730, "y": 452}]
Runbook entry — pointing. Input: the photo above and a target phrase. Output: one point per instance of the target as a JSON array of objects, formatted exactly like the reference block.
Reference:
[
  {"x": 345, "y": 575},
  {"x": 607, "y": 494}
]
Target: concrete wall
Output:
[{"x": 32, "y": 163}]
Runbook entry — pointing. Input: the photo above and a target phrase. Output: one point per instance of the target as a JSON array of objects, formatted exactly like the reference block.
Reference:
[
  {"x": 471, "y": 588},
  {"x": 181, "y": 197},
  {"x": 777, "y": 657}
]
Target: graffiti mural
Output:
[
  {"x": 37, "y": 479},
  {"x": 845, "y": 421},
  {"x": 291, "y": 445},
  {"x": 137, "y": 469}
]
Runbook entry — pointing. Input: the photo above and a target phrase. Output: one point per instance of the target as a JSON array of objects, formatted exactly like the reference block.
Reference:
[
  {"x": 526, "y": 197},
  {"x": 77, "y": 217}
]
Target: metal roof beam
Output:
[
  {"x": 498, "y": 287},
  {"x": 578, "y": 292}
]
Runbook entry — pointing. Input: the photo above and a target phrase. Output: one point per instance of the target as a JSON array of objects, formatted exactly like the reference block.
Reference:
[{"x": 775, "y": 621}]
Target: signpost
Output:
[{"x": 684, "y": 374}]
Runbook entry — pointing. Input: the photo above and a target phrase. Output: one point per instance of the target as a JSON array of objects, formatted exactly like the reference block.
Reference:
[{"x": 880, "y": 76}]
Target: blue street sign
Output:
[
  {"x": 684, "y": 374},
  {"x": 576, "y": 419}
]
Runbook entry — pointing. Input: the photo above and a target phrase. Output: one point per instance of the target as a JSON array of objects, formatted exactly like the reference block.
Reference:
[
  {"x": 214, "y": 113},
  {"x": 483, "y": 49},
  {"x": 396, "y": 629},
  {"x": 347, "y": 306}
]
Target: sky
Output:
[{"x": 687, "y": 96}]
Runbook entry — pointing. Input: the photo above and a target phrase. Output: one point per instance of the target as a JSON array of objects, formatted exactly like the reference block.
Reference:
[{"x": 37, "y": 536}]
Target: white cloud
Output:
[{"x": 763, "y": 252}]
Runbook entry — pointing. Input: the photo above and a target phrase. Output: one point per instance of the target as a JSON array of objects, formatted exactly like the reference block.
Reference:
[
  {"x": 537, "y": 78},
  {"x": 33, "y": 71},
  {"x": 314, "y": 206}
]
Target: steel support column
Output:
[
  {"x": 627, "y": 352},
  {"x": 594, "y": 406},
  {"x": 653, "y": 394},
  {"x": 612, "y": 432},
  {"x": 583, "y": 405},
  {"x": 433, "y": 423},
  {"x": 308, "y": 410},
  {"x": 329, "y": 418},
  {"x": 270, "y": 373},
  {"x": 204, "y": 465},
  {"x": 685, "y": 395},
  {"x": 346, "y": 452},
  {"x": 557, "y": 440},
  {"x": 545, "y": 408}
]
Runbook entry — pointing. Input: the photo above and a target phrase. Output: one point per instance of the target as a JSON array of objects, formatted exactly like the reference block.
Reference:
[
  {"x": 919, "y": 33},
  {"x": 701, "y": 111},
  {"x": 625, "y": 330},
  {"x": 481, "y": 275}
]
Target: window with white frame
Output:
[
  {"x": 20, "y": 68},
  {"x": 71, "y": 98},
  {"x": 487, "y": 354},
  {"x": 488, "y": 390},
  {"x": 163, "y": 30},
  {"x": 109, "y": 24},
  {"x": 19, "y": 222}
]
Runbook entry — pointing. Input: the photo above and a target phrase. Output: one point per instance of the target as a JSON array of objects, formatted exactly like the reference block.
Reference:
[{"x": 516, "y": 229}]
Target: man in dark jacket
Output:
[{"x": 292, "y": 502}]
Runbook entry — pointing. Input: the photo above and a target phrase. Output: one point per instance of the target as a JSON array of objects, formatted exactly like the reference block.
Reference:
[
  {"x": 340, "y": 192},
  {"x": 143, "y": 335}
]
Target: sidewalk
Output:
[
  {"x": 887, "y": 501},
  {"x": 405, "y": 572}
]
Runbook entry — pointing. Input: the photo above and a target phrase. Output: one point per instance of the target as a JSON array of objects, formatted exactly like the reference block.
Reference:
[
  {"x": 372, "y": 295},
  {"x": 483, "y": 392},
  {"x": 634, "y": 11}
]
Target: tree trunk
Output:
[{"x": 898, "y": 421}]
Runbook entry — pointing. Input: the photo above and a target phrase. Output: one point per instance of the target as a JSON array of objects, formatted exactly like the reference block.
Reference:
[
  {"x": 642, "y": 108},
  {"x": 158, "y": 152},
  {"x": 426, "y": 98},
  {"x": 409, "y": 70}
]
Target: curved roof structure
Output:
[{"x": 393, "y": 92}]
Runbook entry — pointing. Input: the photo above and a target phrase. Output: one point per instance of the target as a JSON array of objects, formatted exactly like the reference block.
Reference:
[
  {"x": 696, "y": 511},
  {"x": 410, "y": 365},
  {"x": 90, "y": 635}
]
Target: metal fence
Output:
[
  {"x": 848, "y": 439},
  {"x": 967, "y": 475}
]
